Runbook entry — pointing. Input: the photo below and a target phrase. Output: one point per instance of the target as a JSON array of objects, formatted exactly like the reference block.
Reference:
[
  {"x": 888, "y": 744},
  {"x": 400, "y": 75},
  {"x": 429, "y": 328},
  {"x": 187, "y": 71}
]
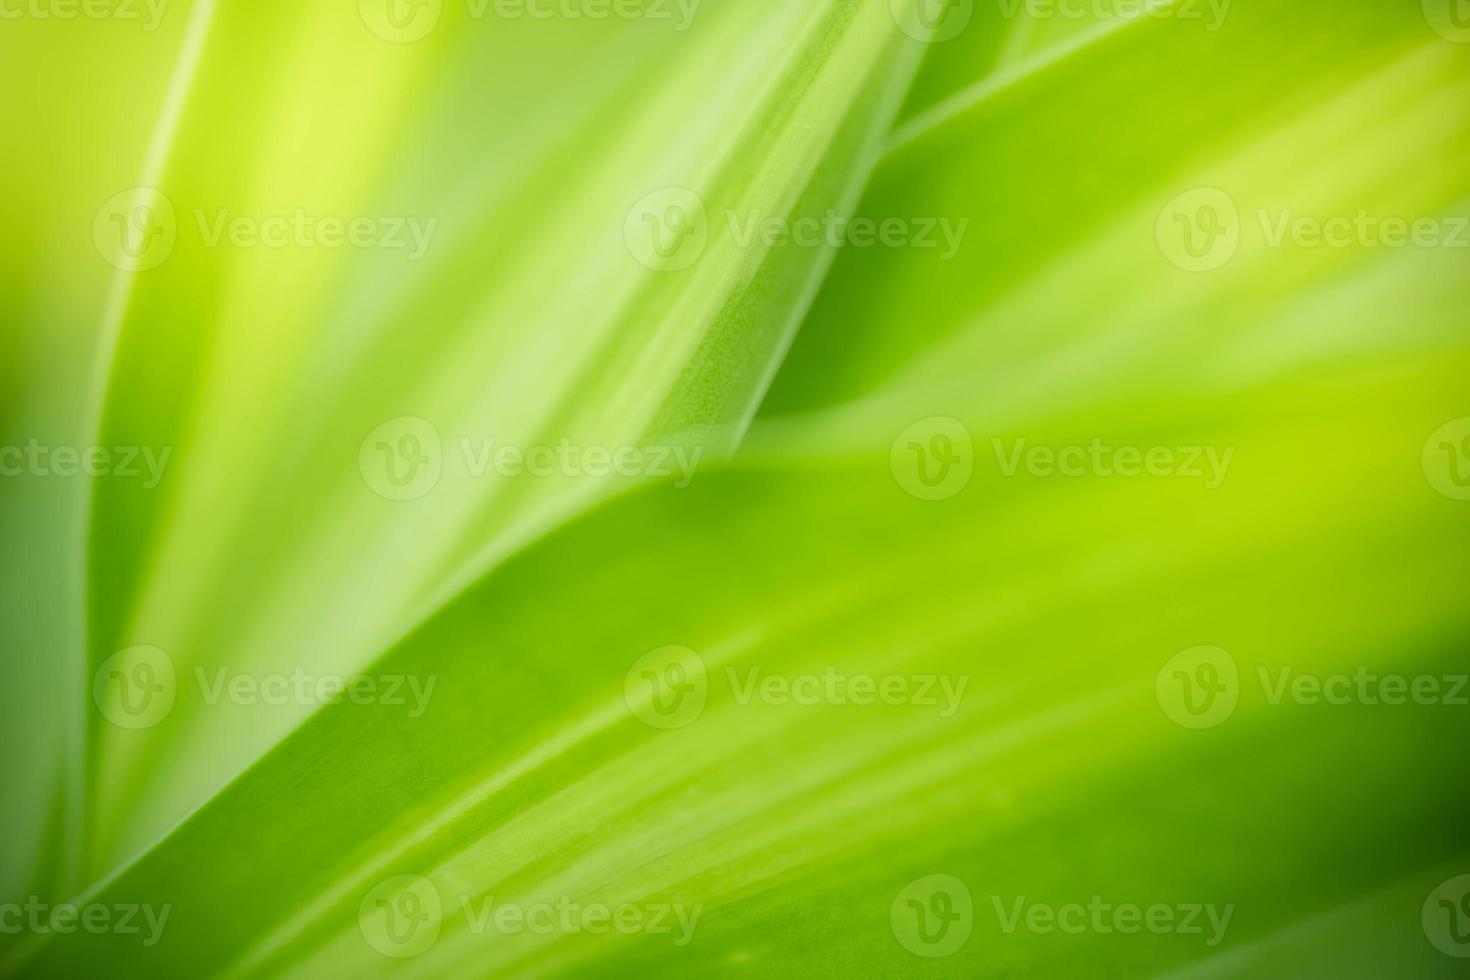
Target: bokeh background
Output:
[{"x": 309, "y": 265}]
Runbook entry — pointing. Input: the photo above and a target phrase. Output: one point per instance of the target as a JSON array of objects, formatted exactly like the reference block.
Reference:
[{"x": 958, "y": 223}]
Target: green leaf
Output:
[{"x": 898, "y": 636}]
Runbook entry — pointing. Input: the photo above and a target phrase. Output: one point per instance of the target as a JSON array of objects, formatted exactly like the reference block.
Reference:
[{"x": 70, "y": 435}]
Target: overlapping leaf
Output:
[{"x": 791, "y": 828}]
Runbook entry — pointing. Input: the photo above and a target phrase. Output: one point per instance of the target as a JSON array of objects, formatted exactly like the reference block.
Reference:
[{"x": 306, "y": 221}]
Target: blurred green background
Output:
[{"x": 1122, "y": 383}]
